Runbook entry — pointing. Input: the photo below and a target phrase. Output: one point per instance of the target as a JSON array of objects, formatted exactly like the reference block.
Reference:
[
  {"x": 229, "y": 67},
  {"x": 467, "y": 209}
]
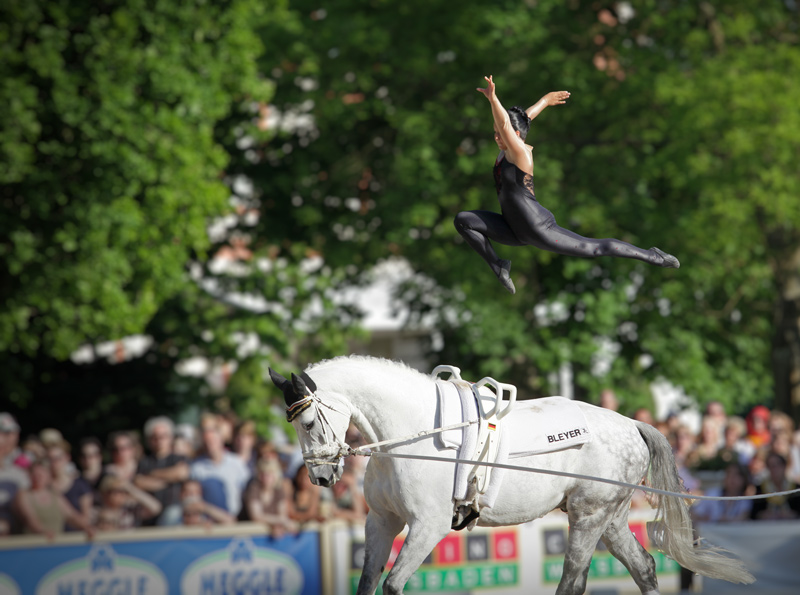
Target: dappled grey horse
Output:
[{"x": 387, "y": 400}]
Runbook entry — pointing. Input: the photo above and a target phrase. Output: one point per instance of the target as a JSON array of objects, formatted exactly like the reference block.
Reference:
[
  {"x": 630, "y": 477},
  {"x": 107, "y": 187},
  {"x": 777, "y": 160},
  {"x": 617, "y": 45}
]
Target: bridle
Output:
[{"x": 334, "y": 447}]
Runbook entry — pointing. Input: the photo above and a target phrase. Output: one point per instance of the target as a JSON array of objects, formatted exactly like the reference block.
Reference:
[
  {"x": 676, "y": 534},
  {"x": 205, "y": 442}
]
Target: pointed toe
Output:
[{"x": 667, "y": 260}]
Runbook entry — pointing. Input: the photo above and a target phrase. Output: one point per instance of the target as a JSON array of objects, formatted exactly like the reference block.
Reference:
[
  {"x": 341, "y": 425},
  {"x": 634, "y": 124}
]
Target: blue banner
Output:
[{"x": 192, "y": 566}]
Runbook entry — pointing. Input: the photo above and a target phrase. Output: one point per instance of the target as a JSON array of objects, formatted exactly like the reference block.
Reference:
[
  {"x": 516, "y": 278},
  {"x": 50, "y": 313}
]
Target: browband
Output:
[
  {"x": 305, "y": 401},
  {"x": 296, "y": 409}
]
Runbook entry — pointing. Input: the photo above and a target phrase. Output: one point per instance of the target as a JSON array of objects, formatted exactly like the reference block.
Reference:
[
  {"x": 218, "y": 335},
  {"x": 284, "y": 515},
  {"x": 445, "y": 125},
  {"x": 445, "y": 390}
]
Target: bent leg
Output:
[
  {"x": 624, "y": 547},
  {"x": 584, "y": 532},
  {"x": 479, "y": 227},
  {"x": 423, "y": 535}
]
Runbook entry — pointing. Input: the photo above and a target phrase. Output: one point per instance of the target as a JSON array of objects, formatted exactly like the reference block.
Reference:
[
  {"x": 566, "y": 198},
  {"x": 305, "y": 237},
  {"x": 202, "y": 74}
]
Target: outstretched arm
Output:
[
  {"x": 552, "y": 98},
  {"x": 502, "y": 122}
]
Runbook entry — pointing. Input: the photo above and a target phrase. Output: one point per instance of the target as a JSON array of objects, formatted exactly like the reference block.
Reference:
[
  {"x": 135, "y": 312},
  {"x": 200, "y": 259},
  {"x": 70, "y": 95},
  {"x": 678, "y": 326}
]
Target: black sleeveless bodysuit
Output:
[{"x": 525, "y": 222}]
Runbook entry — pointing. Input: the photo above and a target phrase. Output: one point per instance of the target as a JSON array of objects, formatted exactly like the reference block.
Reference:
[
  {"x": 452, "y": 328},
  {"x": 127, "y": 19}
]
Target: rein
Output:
[
  {"x": 340, "y": 449},
  {"x": 323, "y": 455},
  {"x": 572, "y": 475},
  {"x": 345, "y": 450}
]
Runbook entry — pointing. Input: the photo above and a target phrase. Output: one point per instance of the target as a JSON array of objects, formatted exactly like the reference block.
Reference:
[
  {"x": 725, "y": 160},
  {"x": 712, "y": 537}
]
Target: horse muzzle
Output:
[
  {"x": 325, "y": 482},
  {"x": 325, "y": 475}
]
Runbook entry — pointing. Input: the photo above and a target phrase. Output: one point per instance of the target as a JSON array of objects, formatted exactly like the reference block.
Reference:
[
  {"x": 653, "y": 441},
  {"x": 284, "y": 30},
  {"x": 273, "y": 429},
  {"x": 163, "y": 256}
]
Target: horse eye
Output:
[{"x": 308, "y": 426}]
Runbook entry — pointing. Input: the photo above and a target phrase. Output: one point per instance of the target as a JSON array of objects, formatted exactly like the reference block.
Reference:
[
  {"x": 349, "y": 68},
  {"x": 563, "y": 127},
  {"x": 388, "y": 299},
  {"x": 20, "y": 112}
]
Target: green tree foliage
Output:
[
  {"x": 129, "y": 125},
  {"x": 728, "y": 163},
  {"x": 123, "y": 121},
  {"x": 110, "y": 165},
  {"x": 111, "y": 168},
  {"x": 662, "y": 141}
]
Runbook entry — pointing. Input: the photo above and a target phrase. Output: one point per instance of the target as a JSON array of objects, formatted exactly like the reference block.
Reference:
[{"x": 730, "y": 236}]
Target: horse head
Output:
[{"x": 321, "y": 435}]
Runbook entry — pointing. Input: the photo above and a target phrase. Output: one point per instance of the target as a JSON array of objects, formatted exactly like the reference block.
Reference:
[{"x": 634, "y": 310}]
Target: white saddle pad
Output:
[
  {"x": 545, "y": 425},
  {"x": 533, "y": 427}
]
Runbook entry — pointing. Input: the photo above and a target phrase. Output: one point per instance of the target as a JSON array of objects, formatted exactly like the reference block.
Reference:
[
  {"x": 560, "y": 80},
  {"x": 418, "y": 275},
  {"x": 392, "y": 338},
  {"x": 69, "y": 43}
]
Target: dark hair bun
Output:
[{"x": 519, "y": 120}]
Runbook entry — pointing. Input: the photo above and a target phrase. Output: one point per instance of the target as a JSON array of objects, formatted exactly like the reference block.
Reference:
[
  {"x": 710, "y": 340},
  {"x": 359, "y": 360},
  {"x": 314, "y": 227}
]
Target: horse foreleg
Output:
[
  {"x": 624, "y": 547},
  {"x": 423, "y": 535},
  {"x": 380, "y": 533},
  {"x": 584, "y": 533}
]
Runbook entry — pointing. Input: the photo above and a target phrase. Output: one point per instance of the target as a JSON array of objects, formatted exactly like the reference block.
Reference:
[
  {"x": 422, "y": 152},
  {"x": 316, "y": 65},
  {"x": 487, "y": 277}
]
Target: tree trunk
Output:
[{"x": 786, "y": 343}]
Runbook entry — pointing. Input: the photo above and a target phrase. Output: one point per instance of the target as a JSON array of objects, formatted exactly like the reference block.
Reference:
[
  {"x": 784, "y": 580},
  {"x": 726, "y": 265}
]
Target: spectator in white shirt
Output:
[{"x": 222, "y": 474}]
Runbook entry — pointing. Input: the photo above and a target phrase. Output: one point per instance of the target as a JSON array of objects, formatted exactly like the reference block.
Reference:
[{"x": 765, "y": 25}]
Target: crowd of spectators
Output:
[
  {"x": 221, "y": 471},
  {"x": 218, "y": 472},
  {"x": 734, "y": 456}
]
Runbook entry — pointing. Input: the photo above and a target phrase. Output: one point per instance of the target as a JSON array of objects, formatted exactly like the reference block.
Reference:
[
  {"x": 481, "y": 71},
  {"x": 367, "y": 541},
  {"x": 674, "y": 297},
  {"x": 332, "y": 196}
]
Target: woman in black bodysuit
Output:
[{"x": 523, "y": 221}]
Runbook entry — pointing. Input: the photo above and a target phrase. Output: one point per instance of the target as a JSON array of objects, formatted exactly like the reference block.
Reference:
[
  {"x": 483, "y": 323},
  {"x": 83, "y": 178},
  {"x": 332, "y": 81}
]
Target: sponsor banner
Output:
[
  {"x": 603, "y": 565},
  {"x": 526, "y": 559},
  {"x": 243, "y": 567},
  {"x": 462, "y": 562},
  {"x": 461, "y": 579},
  {"x": 8, "y": 586},
  {"x": 197, "y": 566},
  {"x": 102, "y": 570}
]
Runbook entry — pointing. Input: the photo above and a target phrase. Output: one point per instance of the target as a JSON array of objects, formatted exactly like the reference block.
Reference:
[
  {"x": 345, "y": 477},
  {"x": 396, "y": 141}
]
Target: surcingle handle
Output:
[
  {"x": 499, "y": 388},
  {"x": 455, "y": 373}
]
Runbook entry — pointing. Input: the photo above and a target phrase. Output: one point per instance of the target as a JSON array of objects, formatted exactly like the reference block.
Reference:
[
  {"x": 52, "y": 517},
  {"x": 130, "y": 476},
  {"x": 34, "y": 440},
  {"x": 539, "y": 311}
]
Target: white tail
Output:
[{"x": 672, "y": 532}]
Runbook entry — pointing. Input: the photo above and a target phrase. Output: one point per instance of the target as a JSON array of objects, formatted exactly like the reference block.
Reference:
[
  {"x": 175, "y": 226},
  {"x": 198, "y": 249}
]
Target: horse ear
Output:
[
  {"x": 277, "y": 379},
  {"x": 299, "y": 386},
  {"x": 312, "y": 386},
  {"x": 289, "y": 395}
]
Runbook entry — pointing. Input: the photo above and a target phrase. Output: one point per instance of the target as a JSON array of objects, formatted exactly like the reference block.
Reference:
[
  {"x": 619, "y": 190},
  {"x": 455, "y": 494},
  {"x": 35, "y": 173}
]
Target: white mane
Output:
[{"x": 356, "y": 359}]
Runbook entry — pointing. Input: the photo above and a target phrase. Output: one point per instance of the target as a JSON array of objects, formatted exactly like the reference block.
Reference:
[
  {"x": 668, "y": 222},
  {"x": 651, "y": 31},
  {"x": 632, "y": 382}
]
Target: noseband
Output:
[{"x": 333, "y": 447}]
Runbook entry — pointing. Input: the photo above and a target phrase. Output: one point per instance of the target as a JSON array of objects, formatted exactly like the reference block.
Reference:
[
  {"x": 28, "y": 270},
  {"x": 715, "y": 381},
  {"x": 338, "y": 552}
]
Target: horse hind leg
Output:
[
  {"x": 380, "y": 532},
  {"x": 423, "y": 535},
  {"x": 624, "y": 547},
  {"x": 584, "y": 532}
]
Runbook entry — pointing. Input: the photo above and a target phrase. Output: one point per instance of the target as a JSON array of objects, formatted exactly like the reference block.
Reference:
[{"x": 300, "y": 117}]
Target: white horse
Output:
[{"x": 387, "y": 400}]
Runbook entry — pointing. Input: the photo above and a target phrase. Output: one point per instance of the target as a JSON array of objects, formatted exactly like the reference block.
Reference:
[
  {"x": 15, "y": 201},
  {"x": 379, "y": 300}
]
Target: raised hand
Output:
[
  {"x": 489, "y": 90},
  {"x": 557, "y": 97}
]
